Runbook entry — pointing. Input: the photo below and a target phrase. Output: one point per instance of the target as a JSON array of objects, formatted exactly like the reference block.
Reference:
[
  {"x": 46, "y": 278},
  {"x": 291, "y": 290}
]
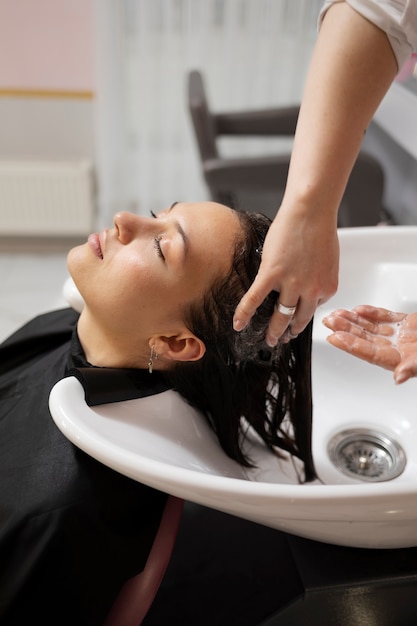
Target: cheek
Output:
[
  {"x": 121, "y": 291},
  {"x": 126, "y": 291},
  {"x": 130, "y": 280}
]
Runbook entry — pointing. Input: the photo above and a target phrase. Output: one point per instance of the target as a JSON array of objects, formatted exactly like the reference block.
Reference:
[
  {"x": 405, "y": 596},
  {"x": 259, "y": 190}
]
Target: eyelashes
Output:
[
  {"x": 157, "y": 240},
  {"x": 157, "y": 246}
]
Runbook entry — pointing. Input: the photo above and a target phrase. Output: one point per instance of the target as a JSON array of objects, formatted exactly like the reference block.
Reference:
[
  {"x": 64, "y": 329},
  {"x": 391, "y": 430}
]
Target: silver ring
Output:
[{"x": 285, "y": 310}]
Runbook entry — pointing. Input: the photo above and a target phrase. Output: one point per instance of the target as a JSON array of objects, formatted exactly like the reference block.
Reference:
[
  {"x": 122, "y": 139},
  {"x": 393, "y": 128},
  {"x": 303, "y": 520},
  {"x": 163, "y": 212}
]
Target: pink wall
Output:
[{"x": 47, "y": 45}]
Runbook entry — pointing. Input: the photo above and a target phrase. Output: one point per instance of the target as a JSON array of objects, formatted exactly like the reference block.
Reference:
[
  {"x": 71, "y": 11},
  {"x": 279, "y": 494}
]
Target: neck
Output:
[{"x": 104, "y": 348}]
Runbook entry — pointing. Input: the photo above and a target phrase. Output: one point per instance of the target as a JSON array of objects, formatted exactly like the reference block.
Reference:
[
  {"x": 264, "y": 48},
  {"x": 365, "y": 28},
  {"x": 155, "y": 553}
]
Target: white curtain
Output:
[{"x": 252, "y": 53}]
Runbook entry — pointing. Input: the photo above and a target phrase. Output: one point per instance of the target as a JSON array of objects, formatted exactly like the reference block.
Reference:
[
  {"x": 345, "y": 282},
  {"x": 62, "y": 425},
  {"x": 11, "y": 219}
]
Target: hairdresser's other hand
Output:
[
  {"x": 300, "y": 260},
  {"x": 379, "y": 336}
]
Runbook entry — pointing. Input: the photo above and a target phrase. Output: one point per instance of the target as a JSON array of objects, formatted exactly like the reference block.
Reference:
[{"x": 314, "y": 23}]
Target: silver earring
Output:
[{"x": 153, "y": 356}]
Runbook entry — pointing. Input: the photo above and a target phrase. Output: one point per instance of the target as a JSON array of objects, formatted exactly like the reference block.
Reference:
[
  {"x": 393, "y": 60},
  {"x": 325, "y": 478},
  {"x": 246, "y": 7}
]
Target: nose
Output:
[{"x": 128, "y": 225}]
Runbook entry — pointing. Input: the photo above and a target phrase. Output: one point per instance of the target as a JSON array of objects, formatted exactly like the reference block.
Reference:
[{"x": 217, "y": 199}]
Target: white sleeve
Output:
[{"x": 397, "y": 18}]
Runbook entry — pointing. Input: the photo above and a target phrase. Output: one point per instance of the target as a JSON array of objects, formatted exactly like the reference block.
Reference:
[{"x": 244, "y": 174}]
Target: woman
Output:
[
  {"x": 379, "y": 336},
  {"x": 159, "y": 299},
  {"x": 361, "y": 46}
]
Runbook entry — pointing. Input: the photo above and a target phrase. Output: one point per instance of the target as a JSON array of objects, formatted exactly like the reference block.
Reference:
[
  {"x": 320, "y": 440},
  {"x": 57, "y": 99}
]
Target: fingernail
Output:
[
  {"x": 399, "y": 378},
  {"x": 238, "y": 325},
  {"x": 271, "y": 341}
]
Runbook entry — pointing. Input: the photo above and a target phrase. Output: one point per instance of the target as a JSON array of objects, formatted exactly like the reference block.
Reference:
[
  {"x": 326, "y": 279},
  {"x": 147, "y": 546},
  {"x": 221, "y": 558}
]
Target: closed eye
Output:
[
  {"x": 157, "y": 246},
  {"x": 157, "y": 240}
]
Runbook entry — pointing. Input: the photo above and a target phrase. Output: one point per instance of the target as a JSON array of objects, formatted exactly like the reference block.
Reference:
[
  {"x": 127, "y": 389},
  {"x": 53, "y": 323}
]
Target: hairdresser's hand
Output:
[
  {"x": 378, "y": 336},
  {"x": 300, "y": 260}
]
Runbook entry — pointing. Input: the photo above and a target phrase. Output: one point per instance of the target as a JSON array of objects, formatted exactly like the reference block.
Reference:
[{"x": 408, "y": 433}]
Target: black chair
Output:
[{"x": 258, "y": 182}]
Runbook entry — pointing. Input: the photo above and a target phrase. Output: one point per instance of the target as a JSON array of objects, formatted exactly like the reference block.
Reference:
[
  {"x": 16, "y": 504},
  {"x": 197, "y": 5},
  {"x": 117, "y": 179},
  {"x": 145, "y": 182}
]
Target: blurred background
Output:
[
  {"x": 94, "y": 115},
  {"x": 105, "y": 83}
]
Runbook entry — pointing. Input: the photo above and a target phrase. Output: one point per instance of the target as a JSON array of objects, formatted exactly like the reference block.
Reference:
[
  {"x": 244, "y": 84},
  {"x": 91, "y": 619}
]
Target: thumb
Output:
[
  {"x": 252, "y": 299},
  {"x": 405, "y": 370}
]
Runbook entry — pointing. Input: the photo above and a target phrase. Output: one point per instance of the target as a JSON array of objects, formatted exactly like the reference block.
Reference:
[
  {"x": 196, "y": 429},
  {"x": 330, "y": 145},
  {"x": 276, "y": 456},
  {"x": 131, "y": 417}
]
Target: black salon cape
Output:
[{"x": 71, "y": 530}]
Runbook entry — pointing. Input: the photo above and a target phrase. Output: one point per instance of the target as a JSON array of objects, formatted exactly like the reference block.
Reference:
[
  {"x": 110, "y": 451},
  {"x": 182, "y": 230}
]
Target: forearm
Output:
[{"x": 352, "y": 67}]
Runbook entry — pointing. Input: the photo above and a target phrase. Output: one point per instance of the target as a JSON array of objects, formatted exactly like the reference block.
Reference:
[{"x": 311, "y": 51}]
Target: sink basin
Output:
[
  {"x": 364, "y": 427},
  {"x": 378, "y": 267}
]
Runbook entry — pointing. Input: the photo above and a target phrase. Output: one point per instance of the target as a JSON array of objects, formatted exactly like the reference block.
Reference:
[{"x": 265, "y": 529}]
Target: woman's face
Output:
[{"x": 140, "y": 273}]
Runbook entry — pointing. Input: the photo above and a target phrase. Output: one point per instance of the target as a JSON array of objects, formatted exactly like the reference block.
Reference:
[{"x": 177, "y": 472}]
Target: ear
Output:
[{"x": 182, "y": 347}]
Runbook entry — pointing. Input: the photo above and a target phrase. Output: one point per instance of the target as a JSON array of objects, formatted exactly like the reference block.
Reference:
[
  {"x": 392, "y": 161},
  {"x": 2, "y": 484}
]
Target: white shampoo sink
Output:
[{"x": 364, "y": 427}]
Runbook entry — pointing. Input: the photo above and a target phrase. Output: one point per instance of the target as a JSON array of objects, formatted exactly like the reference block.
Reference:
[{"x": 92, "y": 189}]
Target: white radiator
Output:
[{"x": 46, "y": 198}]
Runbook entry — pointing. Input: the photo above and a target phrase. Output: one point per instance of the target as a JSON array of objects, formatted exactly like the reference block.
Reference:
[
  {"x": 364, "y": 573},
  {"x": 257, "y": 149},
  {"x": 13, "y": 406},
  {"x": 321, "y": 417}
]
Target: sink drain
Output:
[{"x": 367, "y": 455}]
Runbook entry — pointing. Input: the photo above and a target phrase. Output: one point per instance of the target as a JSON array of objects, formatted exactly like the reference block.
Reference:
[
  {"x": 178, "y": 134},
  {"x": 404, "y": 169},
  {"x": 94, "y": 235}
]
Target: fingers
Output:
[
  {"x": 281, "y": 318},
  {"x": 358, "y": 324},
  {"x": 288, "y": 335},
  {"x": 382, "y": 354},
  {"x": 378, "y": 336},
  {"x": 283, "y": 315},
  {"x": 279, "y": 326},
  {"x": 253, "y": 298},
  {"x": 285, "y": 327},
  {"x": 407, "y": 345},
  {"x": 405, "y": 370},
  {"x": 288, "y": 313},
  {"x": 379, "y": 314}
]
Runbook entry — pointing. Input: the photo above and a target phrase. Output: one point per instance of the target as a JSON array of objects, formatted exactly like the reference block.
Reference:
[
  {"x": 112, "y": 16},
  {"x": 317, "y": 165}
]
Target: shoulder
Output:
[
  {"x": 397, "y": 18},
  {"x": 52, "y": 323}
]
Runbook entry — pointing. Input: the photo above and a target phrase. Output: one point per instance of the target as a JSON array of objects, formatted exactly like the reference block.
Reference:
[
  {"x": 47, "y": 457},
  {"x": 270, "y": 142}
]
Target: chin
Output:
[{"x": 78, "y": 268}]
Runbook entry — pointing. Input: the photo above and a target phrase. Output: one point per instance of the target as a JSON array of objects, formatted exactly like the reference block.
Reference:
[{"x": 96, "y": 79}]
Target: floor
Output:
[{"x": 31, "y": 283}]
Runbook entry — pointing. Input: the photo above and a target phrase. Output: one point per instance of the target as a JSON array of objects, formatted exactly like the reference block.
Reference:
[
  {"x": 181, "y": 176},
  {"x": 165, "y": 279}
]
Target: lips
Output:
[{"x": 94, "y": 243}]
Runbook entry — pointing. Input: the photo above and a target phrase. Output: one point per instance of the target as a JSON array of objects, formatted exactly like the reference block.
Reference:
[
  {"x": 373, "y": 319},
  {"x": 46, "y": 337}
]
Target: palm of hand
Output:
[{"x": 377, "y": 335}]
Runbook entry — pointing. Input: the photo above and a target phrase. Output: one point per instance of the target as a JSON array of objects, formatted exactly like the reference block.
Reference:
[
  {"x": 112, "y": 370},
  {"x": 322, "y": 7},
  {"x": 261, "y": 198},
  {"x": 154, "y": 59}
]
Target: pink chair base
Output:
[{"x": 138, "y": 593}]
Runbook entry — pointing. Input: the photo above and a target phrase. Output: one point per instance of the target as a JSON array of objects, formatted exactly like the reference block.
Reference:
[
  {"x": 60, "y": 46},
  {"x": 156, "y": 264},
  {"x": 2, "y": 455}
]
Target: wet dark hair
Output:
[{"x": 239, "y": 376}]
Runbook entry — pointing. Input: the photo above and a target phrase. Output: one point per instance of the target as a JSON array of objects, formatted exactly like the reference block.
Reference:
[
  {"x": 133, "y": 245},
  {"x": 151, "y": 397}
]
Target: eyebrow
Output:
[{"x": 184, "y": 237}]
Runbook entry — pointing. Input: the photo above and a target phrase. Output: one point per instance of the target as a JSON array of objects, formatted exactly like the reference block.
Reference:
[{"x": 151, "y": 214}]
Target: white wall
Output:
[
  {"x": 47, "y": 79},
  {"x": 392, "y": 138}
]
